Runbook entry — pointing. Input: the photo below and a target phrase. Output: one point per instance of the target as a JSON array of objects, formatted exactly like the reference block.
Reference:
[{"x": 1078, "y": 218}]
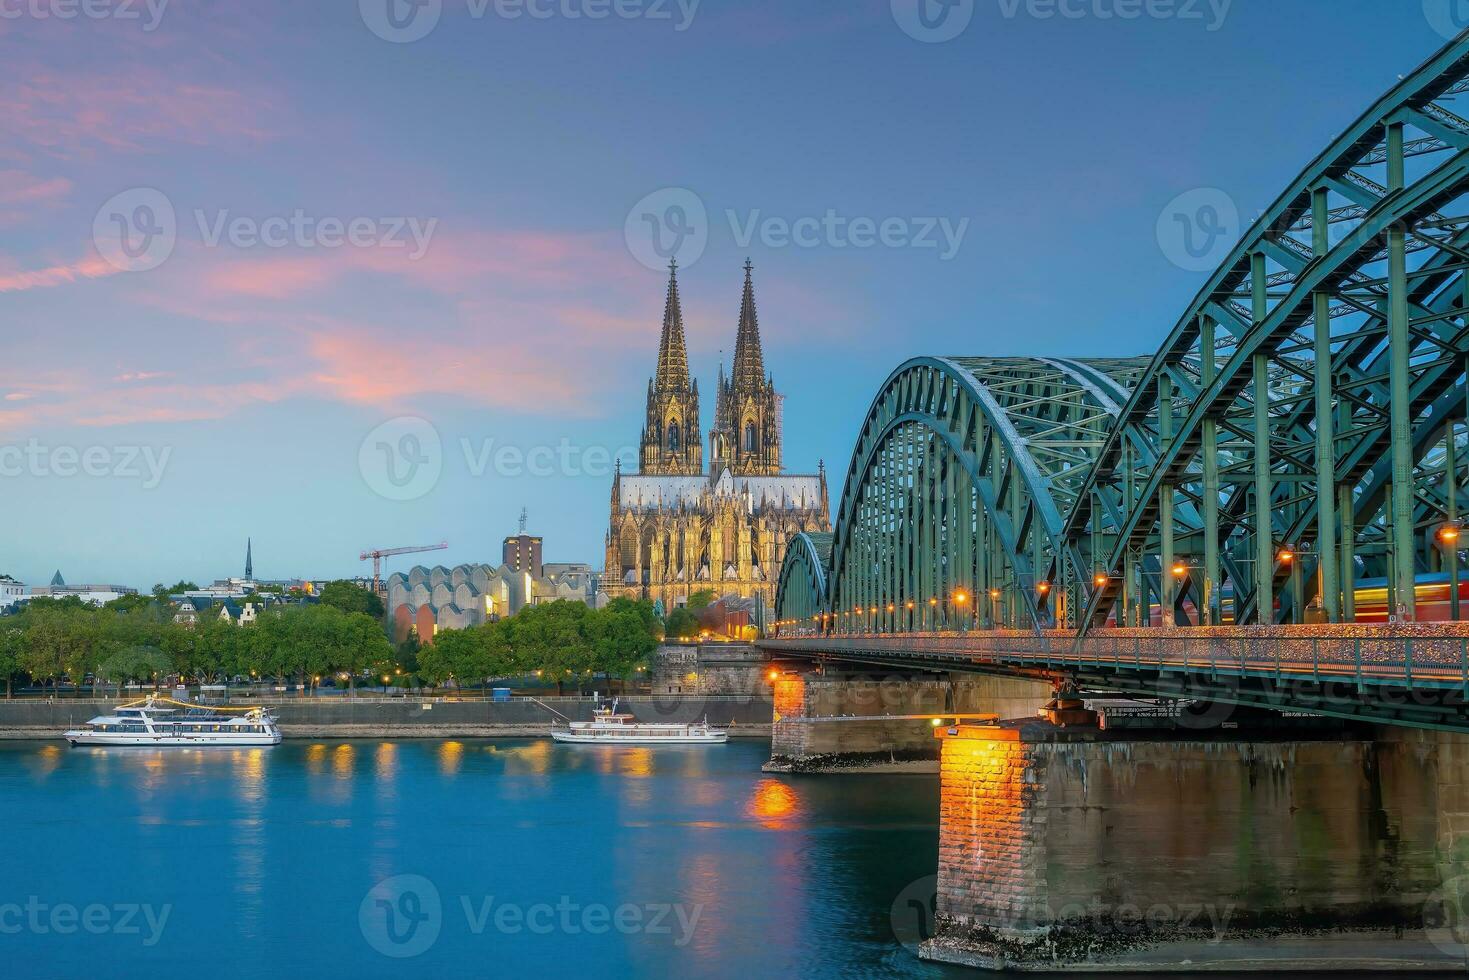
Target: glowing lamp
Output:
[{"x": 1180, "y": 570}]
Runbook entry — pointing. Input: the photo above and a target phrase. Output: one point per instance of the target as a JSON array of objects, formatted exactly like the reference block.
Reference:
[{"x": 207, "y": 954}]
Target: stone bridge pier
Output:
[
  {"x": 838, "y": 721},
  {"x": 1066, "y": 849}
]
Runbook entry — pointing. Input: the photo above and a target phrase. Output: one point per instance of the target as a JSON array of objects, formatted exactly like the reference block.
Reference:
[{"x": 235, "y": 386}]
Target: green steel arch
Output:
[
  {"x": 1298, "y": 430},
  {"x": 801, "y": 596},
  {"x": 1295, "y": 402},
  {"x": 959, "y": 487}
]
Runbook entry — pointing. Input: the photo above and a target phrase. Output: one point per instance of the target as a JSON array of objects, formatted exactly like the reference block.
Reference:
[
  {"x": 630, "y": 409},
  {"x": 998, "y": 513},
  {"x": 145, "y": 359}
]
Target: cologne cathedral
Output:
[{"x": 676, "y": 528}]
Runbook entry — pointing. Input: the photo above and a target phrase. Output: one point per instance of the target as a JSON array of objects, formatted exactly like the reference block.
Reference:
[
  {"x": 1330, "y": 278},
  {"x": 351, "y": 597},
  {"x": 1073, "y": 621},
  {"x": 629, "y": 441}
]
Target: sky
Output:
[{"x": 357, "y": 274}]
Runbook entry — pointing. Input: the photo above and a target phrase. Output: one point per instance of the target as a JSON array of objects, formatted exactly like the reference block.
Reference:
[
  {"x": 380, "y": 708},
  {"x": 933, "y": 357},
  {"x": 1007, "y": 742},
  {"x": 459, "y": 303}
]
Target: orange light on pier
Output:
[
  {"x": 961, "y": 597},
  {"x": 1179, "y": 570}
]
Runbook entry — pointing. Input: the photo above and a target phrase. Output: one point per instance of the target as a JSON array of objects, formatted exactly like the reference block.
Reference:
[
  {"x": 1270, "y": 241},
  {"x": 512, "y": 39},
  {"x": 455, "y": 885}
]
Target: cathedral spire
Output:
[
  {"x": 749, "y": 362},
  {"x": 673, "y": 356},
  {"x": 249, "y": 562}
]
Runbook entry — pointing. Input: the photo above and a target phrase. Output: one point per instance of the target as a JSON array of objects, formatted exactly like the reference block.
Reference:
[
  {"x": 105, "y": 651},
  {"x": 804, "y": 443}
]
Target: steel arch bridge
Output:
[{"x": 1296, "y": 435}]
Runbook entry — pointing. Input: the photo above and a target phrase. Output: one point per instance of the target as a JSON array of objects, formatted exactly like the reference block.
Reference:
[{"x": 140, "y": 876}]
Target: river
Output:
[{"x": 458, "y": 858}]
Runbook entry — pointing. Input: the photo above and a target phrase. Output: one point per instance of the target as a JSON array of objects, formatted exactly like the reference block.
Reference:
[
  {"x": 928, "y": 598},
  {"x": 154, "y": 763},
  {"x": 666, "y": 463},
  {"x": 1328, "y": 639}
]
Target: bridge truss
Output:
[{"x": 1298, "y": 432}]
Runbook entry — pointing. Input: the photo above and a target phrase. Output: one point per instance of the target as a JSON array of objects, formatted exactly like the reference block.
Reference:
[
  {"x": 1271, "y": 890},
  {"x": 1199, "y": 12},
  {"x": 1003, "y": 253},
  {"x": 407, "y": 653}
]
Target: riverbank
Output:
[{"x": 342, "y": 717}]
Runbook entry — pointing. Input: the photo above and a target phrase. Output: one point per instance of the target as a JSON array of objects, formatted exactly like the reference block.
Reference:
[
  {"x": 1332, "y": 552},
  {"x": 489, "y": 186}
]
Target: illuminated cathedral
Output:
[{"x": 677, "y": 529}]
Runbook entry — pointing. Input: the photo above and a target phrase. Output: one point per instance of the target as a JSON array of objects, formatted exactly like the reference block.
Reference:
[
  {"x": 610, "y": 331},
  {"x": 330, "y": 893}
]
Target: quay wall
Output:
[
  {"x": 841, "y": 722},
  {"x": 710, "y": 668}
]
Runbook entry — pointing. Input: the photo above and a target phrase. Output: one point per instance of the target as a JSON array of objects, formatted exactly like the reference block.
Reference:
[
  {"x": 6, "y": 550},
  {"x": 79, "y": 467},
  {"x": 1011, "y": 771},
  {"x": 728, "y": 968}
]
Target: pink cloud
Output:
[
  {"x": 270, "y": 278},
  {"x": 19, "y": 187},
  {"x": 56, "y": 275},
  {"x": 134, "y": 110}
]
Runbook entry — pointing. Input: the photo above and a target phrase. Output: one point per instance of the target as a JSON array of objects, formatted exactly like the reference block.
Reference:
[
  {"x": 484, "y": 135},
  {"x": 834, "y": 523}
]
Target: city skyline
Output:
[{"x": 245, "y": 379}]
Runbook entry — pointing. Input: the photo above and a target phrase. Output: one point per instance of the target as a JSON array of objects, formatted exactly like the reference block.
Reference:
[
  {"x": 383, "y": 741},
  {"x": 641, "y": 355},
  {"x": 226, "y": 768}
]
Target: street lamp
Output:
[
  {"x": 1043, "y": 589},
  {"x": 1448, "y": 537},
  {"x": 1288, "y": 558},
  {"x": 961, "y": 600}
]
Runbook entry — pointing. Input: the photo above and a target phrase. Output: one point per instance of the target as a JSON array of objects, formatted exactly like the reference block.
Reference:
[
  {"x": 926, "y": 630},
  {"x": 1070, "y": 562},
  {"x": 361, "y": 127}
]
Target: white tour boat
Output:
[
  {"x": 607, "y": 727},
  {"x": 147, "y": 722}
]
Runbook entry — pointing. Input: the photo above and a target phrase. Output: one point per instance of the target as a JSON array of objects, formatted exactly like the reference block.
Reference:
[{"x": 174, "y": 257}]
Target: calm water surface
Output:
[{"x": 481, "y": 858}]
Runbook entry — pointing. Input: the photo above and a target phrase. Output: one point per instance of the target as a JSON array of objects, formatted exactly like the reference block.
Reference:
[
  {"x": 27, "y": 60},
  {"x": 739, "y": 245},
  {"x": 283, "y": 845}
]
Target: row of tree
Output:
[
  {"x": 129, "y": 641},
  {"x": 558, "y": 642},
  {"x": 55, "y": 640}
]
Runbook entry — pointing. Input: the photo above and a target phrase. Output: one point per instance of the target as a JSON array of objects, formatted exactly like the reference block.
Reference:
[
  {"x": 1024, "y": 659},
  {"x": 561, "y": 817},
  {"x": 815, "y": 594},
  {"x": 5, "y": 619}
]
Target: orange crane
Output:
[{"x": 378, "y": 555}]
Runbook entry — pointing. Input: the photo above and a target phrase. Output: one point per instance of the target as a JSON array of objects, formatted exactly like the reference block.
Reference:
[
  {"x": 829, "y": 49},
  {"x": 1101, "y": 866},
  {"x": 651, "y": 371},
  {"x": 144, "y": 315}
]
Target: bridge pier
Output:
[
  {"x": 843, "y": 721},
  {"x": 1078, "y": 849}
]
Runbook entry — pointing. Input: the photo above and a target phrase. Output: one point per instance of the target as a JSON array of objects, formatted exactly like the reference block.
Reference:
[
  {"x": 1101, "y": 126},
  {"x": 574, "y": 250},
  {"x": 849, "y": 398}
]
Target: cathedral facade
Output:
[{"x": 677, "y": 528}]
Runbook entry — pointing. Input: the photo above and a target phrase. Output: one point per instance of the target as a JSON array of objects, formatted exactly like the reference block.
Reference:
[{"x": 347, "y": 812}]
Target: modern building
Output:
[
  {"x": 423, "y": 600},
  {"x": 97, "y": 595},
  {"x": 522, "y": 552},
  {"x": 675, "y": 528}
]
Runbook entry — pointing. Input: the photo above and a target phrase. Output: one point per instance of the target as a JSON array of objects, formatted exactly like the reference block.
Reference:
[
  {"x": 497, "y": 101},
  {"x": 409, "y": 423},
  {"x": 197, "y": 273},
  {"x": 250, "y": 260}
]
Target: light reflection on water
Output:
[{"x": 266, "y": 855}]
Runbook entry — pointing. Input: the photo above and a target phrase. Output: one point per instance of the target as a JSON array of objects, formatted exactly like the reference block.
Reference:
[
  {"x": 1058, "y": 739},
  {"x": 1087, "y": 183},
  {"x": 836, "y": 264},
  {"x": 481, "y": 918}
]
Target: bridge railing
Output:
[{"x": 1416, "y": 659}]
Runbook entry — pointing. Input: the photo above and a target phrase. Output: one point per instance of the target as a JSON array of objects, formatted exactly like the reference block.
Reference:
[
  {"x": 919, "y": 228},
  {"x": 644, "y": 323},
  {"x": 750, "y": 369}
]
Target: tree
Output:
[
  {"x": 351, "y": 598},
  {"x": 622, "y": 637},
  {"x": 161, "y": 590},
  {"x": 702, "y": 599},
  {"x": 682, "y": 624},
  {"x": 12, "y": 639}
]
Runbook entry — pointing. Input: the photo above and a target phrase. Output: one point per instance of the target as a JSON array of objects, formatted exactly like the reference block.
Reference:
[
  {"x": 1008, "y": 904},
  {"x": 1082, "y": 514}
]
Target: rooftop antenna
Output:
[{"x": 523, "y": 518}]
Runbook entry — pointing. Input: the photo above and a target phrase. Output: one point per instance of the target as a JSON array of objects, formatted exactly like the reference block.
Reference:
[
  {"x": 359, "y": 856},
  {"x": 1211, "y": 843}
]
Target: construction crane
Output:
[{"x": 378, "y": 555}]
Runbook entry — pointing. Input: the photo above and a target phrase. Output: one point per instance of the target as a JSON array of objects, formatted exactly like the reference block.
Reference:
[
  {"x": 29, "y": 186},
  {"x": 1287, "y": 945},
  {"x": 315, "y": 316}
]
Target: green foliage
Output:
[
  {"x": 682, "y": 624},
  {"x": 352, "y": 598},
  {"x": 182, "y": 586},
  {"x": 52, "y": 640},
  {"x": 567, "y": 642},
  {"x": 702, "y": 599},
  {"x": 563, "y": 641}
]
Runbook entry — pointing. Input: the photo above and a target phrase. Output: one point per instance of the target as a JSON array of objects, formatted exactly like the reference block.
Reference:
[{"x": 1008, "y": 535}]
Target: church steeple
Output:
[
  {"x": 749, "y": 361},
  {"x": 673, "y": 355},
  {"x": 249, "y": 563},
  {"x": 671, "y": 443},
  {"x": 748, "y": 417}
]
